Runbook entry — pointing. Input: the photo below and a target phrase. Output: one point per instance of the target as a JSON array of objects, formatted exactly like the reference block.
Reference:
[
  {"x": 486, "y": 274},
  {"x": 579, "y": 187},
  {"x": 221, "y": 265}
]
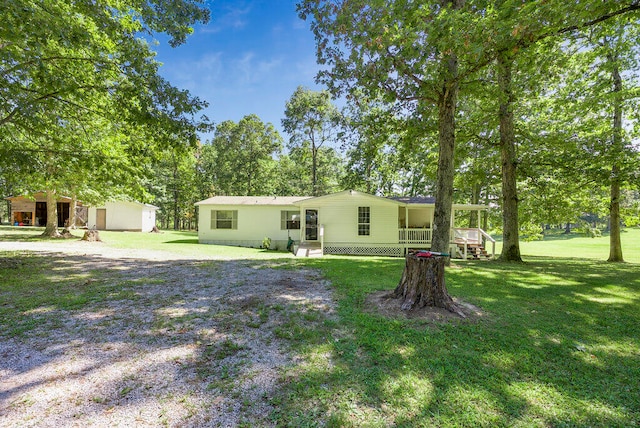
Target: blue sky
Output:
[{"x": 249, "y": 58}]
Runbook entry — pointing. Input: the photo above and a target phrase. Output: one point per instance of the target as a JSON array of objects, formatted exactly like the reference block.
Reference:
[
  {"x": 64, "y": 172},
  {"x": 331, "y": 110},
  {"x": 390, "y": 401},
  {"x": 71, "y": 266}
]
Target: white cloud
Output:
[
  {"x": 230, "y": 18},
  {"x": 251, "y": 71}
]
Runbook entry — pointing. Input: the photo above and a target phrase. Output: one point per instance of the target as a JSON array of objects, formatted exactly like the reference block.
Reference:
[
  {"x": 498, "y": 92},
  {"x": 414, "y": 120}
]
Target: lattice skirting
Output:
[{"x": 364, "y": 251}]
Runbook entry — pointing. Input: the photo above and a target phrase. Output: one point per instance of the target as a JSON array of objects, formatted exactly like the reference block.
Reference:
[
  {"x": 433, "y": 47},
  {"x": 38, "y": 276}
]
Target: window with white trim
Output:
[
  {"x": 289, "y": 220},
  {"x": 224, "y": 219},
  {"x": 364, "y": 221}
]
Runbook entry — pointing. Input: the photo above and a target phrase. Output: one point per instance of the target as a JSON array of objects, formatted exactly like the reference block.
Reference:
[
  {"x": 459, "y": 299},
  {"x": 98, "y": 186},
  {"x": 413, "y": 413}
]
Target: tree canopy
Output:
[{"x": 81, "y": 99}]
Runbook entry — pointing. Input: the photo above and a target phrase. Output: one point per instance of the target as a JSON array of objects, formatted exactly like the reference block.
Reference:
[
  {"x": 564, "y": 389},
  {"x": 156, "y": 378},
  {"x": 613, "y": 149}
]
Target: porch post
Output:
[{"x": 453, "y": 225}]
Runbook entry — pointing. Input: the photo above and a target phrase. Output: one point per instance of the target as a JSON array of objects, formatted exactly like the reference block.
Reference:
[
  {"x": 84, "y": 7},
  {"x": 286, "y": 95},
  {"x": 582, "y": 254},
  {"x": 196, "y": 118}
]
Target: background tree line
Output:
[{"x": 529, "y": 107}]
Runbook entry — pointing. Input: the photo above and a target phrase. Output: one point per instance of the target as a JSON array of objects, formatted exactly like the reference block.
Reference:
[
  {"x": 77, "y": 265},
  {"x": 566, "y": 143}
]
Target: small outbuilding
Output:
[
  {"x": 31, "y": 210},
  {"x": 123, "y": 216}
]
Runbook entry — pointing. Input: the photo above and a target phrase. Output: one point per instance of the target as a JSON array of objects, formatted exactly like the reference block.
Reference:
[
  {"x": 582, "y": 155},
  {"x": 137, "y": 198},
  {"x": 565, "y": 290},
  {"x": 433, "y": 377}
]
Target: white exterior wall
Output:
[
  {"x": 339, "y": 216},
  {"x": 148, "y": 218},
  {"x": 91, "y": 217},
  {"x": 255, "y": 222},
  {"x": 125, "y": 216}
]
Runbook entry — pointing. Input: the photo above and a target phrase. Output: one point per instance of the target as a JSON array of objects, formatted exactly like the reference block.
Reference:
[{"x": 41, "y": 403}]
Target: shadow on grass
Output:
[
  {"x": 559, "y": 347},
  {"x": 187, "y": 319},
  {"x": 183, "y": 241}
]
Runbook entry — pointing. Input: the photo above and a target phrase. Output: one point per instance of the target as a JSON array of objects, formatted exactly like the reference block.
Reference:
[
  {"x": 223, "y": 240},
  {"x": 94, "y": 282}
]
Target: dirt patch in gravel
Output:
[
  {"x": 169, "y": 342},
  {"x": 382, "y": 303}
]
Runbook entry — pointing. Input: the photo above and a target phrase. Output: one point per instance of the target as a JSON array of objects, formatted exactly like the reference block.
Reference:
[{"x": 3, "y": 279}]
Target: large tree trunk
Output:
[
  {"x": 615, "y": 244},
  {"x": 51, "y": 228},
  {"x": 422, "y": 281},
  {"x": 510, "y": 224},
  {"x": 422, "y": 284},
  {"x": 446, "y": 139},
  {"x": 474, "y": 215}
]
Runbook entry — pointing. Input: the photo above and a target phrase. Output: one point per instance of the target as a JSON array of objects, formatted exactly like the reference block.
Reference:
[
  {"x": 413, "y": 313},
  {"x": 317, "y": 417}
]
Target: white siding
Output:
[
  {"x": 122, "y": 215},
  {"x": 255, "y": 222},
  {"x": 91, "y": 217},
  {"x": 148, "y": 218},
  {"x": 339, "y": 215}
]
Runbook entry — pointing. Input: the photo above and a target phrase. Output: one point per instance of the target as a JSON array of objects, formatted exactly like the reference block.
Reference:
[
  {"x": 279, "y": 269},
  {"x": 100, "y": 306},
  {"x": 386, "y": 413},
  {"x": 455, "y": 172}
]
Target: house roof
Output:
[
  {"x": 297, "y": 200},
  {"x": 352, "y": 193},
  {"x": 252, "y": 200},
  {"x": 134, "y": 203}
]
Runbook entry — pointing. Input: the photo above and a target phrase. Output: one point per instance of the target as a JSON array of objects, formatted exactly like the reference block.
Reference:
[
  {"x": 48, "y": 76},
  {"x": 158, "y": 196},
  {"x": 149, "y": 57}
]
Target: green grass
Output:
[
  {"x": 556, "y": 244},
  {"x": 558, "y": 346},
  {"x": 178, "y": 242}
]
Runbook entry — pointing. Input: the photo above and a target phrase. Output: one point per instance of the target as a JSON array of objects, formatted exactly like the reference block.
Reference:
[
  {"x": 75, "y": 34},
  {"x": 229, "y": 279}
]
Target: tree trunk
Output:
[
  {"x": 615, "y": 243},
  {"x": 510, "y": 224},
  {"x": 446, "y": 142},
  {"x": 72, "y": 213},
  {"x": 422, "y": 284},
  {"x": 474, "y": 215},
  {"x": 51, "y": 228},
  {"x": 314, "y": 168}
]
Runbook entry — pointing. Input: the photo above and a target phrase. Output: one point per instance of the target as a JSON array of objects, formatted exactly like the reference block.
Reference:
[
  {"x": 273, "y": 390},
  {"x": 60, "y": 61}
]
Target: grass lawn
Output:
[
  {"x": 180, "y": 242},
  {"x": 558, "y": 346},
  {"x": 557, "y": 244}
]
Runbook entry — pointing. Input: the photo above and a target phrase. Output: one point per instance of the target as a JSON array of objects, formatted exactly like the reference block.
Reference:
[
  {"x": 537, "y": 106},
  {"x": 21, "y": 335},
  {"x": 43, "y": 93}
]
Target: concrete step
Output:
[{"x": 309, "y": 250}]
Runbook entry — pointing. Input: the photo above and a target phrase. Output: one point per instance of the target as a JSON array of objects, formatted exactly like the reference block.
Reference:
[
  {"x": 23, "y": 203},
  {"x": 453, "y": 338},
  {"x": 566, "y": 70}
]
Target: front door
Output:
[{"x": 311, "y": 225}]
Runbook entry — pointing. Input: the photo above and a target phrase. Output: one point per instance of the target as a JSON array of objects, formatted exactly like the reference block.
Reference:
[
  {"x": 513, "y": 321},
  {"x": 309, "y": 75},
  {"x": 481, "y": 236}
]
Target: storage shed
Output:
[{"x": 123, "y": 215}]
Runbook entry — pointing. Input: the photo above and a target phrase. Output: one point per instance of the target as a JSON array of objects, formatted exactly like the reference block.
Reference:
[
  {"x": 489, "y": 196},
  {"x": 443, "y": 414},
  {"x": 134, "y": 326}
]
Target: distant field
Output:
[
  {"x": 579, "y": 246},
  {"x": 186, "y": 243},
  {"x": 179, "y": 242}
]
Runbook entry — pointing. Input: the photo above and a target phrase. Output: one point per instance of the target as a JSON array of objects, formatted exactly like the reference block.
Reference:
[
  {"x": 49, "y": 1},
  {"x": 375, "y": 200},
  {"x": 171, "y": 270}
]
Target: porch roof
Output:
[{"x": 414, "y": 200}]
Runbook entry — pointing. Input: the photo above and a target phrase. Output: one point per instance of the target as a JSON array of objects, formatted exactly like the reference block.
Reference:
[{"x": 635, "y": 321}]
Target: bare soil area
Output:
[
  {"x": 382, "y": 303},
  {"x": 169, "y": 341}
]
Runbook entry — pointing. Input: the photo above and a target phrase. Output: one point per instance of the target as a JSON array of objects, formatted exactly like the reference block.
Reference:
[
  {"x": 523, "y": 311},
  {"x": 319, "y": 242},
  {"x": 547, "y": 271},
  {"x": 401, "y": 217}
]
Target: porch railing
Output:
[
  {"x": 474, "y": 236},
  {"x": 414, "y": 236}
]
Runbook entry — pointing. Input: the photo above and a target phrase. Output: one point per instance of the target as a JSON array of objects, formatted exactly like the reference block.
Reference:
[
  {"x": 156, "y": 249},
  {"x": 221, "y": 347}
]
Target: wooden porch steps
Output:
[
  {"x": 474, "y": 252},
  {"x": 309, "y": 249}
]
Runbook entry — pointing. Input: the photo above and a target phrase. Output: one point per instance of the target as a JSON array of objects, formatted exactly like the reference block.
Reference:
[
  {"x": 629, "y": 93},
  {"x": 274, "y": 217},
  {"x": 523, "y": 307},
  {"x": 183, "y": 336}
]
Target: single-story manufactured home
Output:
[
  {"x": 347, "y": 222},
  {"x": 32, "y": 210},
  {"x": 123, "y": 216}
]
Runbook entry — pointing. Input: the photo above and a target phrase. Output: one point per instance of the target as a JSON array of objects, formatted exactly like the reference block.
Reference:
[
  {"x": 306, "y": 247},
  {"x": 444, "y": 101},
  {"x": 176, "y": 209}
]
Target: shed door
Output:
[{"x": 101, "y": 219}]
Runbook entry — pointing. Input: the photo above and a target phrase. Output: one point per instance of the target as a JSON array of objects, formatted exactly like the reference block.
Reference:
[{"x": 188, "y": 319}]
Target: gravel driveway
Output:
[{"x": 182, "y": 342}]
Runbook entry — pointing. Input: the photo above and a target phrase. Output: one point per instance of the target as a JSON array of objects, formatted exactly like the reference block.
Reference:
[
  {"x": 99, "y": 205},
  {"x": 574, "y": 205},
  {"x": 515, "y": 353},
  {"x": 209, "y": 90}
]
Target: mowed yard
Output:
[{"x": 156, "y": 330}]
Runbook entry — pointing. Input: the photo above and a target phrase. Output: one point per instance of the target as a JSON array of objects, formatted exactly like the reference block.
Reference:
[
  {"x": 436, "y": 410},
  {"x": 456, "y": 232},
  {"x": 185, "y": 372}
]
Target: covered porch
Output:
[{"x": 415, "y": 230}]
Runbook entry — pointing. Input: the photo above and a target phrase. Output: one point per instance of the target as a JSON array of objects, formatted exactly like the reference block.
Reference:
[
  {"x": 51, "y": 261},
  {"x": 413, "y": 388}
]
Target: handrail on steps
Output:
[{"x": 490, "y": 239}]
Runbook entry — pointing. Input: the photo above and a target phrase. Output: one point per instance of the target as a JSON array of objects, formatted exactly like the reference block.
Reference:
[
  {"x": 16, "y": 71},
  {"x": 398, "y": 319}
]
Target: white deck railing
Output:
[
  {"x": 474, "y": 236},
  {"x": 414, "y": 236}
]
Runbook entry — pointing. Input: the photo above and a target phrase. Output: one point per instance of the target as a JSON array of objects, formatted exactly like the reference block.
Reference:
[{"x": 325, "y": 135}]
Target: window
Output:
[
  {"x": 364, "y": 221},
  {"x": 289, "y": 220},
  {"x": 226, "y": 219}
]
